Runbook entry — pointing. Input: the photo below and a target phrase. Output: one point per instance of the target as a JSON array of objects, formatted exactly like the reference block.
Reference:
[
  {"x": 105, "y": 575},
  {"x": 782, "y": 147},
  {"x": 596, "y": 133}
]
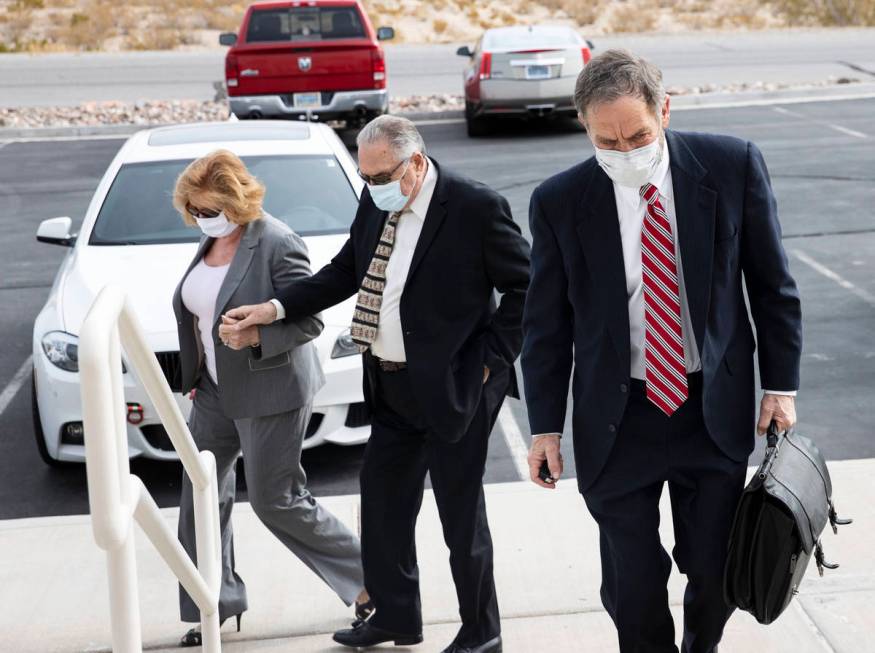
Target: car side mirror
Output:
[
  {"x": 385, "y": 33},
  {"x": 227, "y": 38},
  {"x": 464, "y": 51},
  {"x": 56, "y": 231},
  {"x": 590, "y": 44}
]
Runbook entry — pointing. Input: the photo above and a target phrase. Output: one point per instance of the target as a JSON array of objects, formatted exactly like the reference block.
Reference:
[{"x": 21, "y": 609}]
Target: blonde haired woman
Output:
[{"x": 256, "y": 400}]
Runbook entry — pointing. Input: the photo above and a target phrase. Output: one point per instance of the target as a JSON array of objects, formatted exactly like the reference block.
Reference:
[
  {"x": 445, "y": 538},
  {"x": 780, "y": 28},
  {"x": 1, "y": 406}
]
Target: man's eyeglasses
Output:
[
  {"x": 382, "y": 178},
  {"x": 203, "y": 214}
]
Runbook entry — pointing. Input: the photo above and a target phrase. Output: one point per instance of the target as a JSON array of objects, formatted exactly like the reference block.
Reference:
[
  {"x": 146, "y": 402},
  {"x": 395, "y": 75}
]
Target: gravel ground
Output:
[{"x": 182, "y": 111}]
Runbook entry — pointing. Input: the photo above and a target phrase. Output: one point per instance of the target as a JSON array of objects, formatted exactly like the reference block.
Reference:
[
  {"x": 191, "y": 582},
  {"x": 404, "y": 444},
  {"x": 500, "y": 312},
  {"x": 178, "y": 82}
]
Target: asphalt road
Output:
[
  {"x": 787, "y": 56},
  {"x": 822, "y": 163}
]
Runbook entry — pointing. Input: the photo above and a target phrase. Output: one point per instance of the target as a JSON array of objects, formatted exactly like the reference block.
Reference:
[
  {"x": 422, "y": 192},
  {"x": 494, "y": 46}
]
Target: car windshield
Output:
[
  {"x": 311, "y": 194},
  {"x": 534, "y": 38},
  {"x": 304, "y": 24}
]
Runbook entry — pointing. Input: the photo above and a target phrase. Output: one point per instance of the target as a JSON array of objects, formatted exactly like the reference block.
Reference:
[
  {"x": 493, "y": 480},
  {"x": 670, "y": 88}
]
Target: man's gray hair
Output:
[
  {"x": 617, "y": 73},
  {"x": 401, "y": 134}
]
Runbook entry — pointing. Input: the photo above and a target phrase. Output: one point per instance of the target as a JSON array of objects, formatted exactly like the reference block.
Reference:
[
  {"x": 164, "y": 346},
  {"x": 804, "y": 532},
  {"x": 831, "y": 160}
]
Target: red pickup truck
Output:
[{"x": 307, "y": 60}]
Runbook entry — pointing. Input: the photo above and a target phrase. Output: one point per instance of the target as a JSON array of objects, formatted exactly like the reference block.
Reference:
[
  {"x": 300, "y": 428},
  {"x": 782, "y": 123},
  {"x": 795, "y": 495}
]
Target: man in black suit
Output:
[
  {"x": 426, "y": 252},
  {"x": 638, "y": 258}
]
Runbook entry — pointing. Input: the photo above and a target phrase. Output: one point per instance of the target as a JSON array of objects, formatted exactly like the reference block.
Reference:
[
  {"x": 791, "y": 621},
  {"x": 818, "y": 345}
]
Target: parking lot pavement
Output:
[
  {"x": 691, "y": 59},
  {"x": 821, "y": 158}
]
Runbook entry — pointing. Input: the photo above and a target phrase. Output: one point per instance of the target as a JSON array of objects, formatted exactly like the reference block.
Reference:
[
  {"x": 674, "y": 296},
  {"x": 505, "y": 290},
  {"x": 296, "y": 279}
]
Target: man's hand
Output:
[
  {"x": 781, "y": 408},
  {"x": 545, "y": 447},
  {"x": 244, "y": 317},
  {"x": 235, "y": 337},
  {"x": 485, "y": 374}
]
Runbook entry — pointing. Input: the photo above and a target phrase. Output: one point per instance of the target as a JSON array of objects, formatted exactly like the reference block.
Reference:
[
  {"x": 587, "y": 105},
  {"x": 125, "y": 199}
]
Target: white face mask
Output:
[
  {"x": 217, "y": 227},
  {"x": 390, "y": 197},
  {"x": 632, "y": 168}
]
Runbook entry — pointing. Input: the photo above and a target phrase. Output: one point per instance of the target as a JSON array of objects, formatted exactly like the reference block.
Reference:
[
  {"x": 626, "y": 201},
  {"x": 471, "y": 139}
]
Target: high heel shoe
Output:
[{"x": 193, "y": 637}]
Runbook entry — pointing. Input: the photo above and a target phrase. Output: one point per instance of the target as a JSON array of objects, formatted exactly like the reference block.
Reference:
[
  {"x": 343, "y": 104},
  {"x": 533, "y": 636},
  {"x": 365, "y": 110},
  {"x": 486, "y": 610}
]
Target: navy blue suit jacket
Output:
[{"x": 576, "y": 313}]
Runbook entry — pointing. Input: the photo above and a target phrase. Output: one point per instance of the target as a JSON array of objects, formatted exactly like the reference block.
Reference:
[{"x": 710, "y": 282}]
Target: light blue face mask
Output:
[{"x": 388, "y": 197}]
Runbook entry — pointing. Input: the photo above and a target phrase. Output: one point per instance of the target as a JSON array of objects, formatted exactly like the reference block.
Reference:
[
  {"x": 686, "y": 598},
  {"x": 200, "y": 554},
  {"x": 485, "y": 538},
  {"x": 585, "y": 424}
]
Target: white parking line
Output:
[
  {"x": 838, "y": 128},
  {"x": 513, "y": 436},
  {"x": 865, "y": 295},
  {"x": 15, "y": 384}
]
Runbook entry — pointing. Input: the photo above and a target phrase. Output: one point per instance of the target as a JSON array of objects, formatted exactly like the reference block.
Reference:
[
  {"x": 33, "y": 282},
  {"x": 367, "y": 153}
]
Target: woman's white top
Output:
[{"x": 199, "y": 293}]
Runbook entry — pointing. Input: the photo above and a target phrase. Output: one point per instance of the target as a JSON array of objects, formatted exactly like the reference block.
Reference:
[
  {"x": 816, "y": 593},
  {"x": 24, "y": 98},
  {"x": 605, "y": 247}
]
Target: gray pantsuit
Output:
[
  {"x": 276, "y": 484},
  {"x": 261, "y": 406}
]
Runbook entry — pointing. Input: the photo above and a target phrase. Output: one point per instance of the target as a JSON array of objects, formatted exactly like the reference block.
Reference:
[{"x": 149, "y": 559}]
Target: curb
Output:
[{"x": 841, "y": 92}]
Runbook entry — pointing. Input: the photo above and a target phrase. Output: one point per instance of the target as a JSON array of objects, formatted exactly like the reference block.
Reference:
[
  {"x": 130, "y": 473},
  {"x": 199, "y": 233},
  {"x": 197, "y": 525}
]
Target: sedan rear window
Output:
[
  {"x": 311, "y": 194},
  {"x": 304, "y": 24},
  {"x": 537, "y": 37}
]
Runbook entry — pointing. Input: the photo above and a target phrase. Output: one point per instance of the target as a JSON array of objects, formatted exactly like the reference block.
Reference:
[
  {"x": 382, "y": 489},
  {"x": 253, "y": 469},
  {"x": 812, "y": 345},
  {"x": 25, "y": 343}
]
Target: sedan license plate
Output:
[
  {"x": 307, "y": 100},
  {"x": 537, "y": 72}
]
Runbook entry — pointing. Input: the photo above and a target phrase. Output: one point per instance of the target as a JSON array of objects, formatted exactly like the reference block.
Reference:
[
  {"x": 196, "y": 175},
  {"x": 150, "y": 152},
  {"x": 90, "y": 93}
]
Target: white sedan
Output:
[{"x": 131, "y": 235}]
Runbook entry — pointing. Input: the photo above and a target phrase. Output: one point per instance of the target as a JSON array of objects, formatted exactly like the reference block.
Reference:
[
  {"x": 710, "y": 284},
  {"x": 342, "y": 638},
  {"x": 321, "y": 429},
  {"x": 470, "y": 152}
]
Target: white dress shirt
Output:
[
  {"x": 631, "y": 209},
  {"x": 389, "y": 344}
]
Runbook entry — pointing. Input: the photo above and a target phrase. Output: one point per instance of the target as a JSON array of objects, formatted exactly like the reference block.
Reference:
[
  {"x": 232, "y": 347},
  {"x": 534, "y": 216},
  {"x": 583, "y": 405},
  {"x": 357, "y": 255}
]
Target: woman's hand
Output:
[{"x": 237, "y": 338}]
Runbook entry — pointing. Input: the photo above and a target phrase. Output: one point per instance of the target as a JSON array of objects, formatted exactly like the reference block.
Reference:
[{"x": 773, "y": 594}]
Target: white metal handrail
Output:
[{"x": 117, "y": 497}]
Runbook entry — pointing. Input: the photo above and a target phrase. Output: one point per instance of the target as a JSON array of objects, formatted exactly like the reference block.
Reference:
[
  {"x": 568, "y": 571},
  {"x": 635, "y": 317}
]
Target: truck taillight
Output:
[
  {"x": 486, "y": 65},
  {"x": 231, "y": 70},
  {"x": 587, "y": 55},
  {"x": 378, "y": 65}
]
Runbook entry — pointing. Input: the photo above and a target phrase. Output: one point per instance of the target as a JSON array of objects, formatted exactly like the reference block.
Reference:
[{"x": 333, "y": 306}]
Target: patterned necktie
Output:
[
  {"x": 366, "y": 318},
  {"x": 666, "y": 372}
]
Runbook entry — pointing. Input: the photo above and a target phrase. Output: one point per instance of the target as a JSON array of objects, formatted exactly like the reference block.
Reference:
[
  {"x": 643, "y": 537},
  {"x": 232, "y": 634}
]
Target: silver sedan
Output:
[{"x": 524, "y": 71}]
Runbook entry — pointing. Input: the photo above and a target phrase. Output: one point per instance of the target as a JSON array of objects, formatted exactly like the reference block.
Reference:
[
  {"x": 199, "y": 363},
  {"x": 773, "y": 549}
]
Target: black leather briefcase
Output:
[{"x": 777, "y": 527}]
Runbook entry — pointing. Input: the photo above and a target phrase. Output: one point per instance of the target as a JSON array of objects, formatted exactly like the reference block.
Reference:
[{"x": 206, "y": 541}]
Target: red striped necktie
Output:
[{"x": 666, "y": 371}]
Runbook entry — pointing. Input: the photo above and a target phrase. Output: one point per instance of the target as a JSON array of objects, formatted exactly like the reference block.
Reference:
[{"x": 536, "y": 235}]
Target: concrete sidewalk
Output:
[{"x": 54, "y": 589}]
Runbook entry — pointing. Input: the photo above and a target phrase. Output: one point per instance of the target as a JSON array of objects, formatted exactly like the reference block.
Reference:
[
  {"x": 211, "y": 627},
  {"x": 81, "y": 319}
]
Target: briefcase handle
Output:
[{"x": 772, "y": 435}]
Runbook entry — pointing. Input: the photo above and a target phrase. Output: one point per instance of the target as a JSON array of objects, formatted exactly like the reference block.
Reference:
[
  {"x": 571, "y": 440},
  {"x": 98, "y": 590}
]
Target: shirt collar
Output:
[
  {"x": 661, "y": 178},
  {"x": 419, "y": 206}
]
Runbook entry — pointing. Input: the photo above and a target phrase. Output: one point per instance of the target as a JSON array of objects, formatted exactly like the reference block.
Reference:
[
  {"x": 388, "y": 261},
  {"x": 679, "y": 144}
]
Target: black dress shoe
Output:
[
  {"x": 362, "y": 634},
  {"x": 492, "y": 646}
]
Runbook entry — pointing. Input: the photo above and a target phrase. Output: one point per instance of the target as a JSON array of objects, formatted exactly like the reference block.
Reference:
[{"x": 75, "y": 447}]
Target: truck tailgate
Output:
[{"x": 287, "y": 68}]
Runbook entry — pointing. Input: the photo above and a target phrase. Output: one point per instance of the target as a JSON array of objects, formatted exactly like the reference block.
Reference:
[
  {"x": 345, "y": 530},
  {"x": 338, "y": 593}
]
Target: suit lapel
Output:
[
  {"x": 434, "y": 218},
  {"x": 239, "y": 265},
  {"x": 695, "y": 209},
  {"x": 599, "y": 234}
]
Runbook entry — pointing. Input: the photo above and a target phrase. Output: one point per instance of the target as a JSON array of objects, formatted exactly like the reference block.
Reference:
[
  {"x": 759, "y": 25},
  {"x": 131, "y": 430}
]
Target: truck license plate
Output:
[
  {"x": 307, "y": 100},
  {"x": 537, "y": 72}
]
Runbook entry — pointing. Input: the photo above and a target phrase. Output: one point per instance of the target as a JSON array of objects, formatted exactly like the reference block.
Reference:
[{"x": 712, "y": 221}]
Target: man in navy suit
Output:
[{"x": 638, "y": 258}]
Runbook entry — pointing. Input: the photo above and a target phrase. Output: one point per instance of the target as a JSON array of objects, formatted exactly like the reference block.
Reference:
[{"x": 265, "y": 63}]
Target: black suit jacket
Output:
[
  {"x": 577, "y": 307},
  {"x": 469, "y": 247}
]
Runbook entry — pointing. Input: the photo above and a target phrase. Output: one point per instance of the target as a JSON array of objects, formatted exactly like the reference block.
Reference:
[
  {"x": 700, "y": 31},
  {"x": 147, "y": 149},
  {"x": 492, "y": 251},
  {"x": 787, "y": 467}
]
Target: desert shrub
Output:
[
  {"x": 641, "y": 16},
  {"x": 583, "y": 11},
  {"x": 827, "y": 12}
]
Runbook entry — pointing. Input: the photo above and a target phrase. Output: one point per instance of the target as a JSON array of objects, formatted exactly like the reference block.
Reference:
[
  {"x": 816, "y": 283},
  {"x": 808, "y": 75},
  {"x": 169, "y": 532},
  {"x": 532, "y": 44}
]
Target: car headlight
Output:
[
  {"x": 62, "y": 350},
  {"x": 344, "y": 346}
]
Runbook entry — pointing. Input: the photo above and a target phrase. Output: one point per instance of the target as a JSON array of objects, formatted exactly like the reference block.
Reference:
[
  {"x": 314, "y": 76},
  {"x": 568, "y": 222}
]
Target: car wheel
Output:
[
  {"x": 38, "y": 429},
  {"x": 477, "y": 126}
]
